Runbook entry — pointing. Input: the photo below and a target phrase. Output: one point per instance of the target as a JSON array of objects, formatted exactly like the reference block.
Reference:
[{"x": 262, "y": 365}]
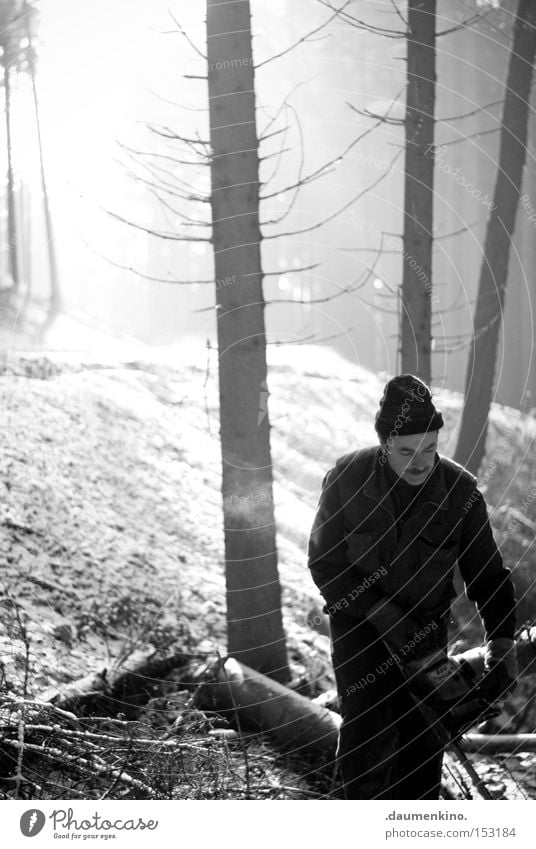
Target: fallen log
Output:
[
  {"x": 489, "y": 744},
  {"x": 256, "y": 702},
  {"x": 120, "y": 690}
]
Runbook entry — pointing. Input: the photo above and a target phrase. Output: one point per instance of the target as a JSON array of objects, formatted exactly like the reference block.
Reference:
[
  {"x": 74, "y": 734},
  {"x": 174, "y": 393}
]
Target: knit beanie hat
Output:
[{"x": 406, "y": 408}]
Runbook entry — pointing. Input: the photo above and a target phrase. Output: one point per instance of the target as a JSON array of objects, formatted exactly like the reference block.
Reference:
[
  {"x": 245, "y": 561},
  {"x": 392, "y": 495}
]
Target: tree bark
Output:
[
  {"x": 11, "y": 208},
  {"x": 419, "y": 190},
  {"x": 253, "y": 701},
  {"x": 255, "y": 631},
  {"x": 125, "y": 690},
  {"x": 54, "y": 301},
  {"x": 494, "y": 267}
]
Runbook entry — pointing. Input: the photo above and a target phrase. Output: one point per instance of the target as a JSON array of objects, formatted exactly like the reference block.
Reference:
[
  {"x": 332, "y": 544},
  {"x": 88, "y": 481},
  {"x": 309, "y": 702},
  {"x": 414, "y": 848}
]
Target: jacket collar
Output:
[{"x": 377, "y": 485}]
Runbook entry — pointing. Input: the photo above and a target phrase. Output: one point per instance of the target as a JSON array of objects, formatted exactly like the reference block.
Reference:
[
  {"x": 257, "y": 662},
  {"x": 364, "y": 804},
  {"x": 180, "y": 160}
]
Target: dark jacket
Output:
[{"x": 357, "y": 555}]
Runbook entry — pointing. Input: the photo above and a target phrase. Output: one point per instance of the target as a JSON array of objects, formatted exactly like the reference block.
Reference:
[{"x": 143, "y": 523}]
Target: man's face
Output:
[{"x": 412, "y": 457}]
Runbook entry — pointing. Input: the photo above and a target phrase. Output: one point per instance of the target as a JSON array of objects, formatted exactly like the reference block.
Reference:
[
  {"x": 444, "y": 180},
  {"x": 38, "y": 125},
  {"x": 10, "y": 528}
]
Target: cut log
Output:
[
  {"x": 121, "y": 690},
  {"x": 256, "y": 702},
  {"x": 489, "y": 744}
]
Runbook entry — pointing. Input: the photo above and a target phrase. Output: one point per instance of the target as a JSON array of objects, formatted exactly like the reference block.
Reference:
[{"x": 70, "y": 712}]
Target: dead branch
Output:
[
  {"x": 342, "y": 208},
  {"x": 301, "y": 40},
  {"x": 491, "y": 744},
  {"x": 467, "y": 23},
  {"x": 275, "y": 133},
  {"x": 322, "y": 171},
  {"x": 186, "y": 36},
  {"x": 285, "y": 271},
  {"x": 154, "y": 189},
  {"x": 122, "y": 689},
  {"x": 301, "y": 166},
  {"x": 141, "y": 273},
  {"x": 81, "y": 764},
  {"x": 470, "y": 114},
  {"x": 161, "y": 235},
  {"x": 472, "y": 136},
  {"x": 178, "y": 105},
  {"x": 383, "y": 31},
  {"x": 135, "y": 153}
]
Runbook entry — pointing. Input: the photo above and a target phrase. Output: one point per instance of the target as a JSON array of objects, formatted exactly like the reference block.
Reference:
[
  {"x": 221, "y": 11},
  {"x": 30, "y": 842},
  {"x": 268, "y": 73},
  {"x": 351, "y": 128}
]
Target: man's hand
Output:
[{"x": 500, "y": 665}]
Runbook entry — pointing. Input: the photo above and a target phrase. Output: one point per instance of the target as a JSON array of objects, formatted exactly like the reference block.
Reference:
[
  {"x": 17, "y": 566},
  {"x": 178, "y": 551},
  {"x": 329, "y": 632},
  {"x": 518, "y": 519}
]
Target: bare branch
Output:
[
  {"x": 162, "y": 185},
  {"x": 472, "y": 136},
  {"x": 302, "y": 39},
  {"x": 170, "y": 134},
  {"x": 276, "y": 153},
  {"x": 275, "y": 133},
  {"x": 342, "y": 290},
  {"x": 320, "y": 172},
  {"x": 281, "y": 148},
  {"x": 376, "y": 308},
  {"x": 366, "y": 113},
  {"x": 141, "y": 274},
  {"x": 173, "y": 181},
  {"x": 470, "y": 114},
  {"x": 290, "y": 207},
  {"x": 189, "y": 222},
  {"x": 399, "y": 13},
  {"x": 312, "y": 338},
  {"x": 383, "y": 31},
  {"x": 284, "y": 271},
  {"x": 161, "y": 235},
  {"x": 178, "y": 105},
  {"x": 133, "y": 152},
  {"x": 342, "y": 208},
  {"x": 186, "y": 36},
  {"x": 468, "y": 22},
  {"x": 282, "y": 106},
  {"x": 465, "y": 229}
]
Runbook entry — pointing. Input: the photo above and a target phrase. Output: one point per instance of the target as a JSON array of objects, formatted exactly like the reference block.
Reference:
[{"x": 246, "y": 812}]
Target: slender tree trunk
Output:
[
  {"x": 255, "y": 631},
  {"x": 12, "y": 231},
  {"x": 494, "y": 267},
  {"x": 419, "y": 190},
  {"x": 26, "y": 244},
  {"x": 54, "y": 302}
]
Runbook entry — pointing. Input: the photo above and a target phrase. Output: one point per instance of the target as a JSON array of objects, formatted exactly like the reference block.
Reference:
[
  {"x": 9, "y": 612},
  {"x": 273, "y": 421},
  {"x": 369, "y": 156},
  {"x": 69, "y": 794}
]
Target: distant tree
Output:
[
  {"x": 10, "y": 58},
  {"x": 499, "y": 232},
  {"x": 18, "y": 25},
  {"x": 28, "y": 17}
]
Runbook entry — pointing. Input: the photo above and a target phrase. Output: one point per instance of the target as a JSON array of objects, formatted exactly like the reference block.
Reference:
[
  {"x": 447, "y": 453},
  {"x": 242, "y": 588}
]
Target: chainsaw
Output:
[
  {"x": 454, "y": 689},
  {"x": 452, "y": 693}
]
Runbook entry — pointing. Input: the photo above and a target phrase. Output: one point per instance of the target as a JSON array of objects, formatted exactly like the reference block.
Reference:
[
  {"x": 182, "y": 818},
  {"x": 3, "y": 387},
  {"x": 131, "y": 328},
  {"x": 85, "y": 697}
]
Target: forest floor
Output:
[{"x": 110, "y": 516}]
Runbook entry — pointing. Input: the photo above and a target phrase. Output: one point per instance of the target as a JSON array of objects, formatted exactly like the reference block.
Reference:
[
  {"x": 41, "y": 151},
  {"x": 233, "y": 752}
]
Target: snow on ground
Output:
[{"x": 110, "y": 517}]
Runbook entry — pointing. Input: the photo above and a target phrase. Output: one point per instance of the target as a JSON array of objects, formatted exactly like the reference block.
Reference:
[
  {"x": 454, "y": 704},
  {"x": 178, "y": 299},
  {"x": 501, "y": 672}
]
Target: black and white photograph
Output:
[{"x": 268, "y": 420}]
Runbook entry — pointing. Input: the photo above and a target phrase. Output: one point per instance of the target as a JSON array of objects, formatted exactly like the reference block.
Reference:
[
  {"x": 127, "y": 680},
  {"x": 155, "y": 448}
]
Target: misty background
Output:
[{"x": 108, "y": 72}]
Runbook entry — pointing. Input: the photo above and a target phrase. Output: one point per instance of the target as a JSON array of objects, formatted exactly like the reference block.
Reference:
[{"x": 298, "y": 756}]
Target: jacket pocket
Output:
[
  {"x": 434, "y": 575},
  {"x": 362, "y": 552}
]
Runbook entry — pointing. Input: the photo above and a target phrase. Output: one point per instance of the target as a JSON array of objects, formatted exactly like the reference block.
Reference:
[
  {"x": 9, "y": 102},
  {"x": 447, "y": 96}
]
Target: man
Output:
[{"x": 390, "y": 525}]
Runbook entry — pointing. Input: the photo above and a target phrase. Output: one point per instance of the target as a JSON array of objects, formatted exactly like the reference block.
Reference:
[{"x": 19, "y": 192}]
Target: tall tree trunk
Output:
[
  {"x": 494, "y": 267},
  {"x": 419, "y": 190},
  {"x": 54, "y": 301},
  {"x": 255, "y": 631},
  {"x": 12, "y": 231}
]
